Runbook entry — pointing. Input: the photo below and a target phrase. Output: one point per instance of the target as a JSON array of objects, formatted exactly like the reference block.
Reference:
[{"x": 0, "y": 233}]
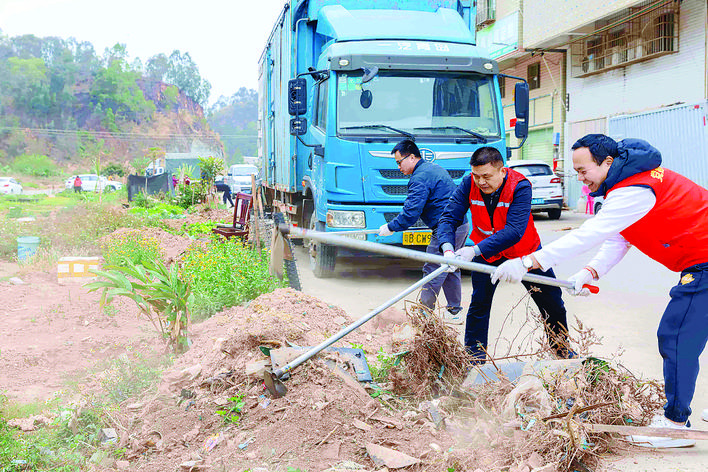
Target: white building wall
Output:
[
  {"x": 678, "y": 77},
  {"x": 544, "y": 19}
]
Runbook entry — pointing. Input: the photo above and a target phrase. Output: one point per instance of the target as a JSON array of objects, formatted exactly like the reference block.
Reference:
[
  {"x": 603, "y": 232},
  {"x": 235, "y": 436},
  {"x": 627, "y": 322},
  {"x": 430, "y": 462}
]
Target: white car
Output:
[
  {"x": 9, "y": 185},
  {"x": 93, "y": 182},
  {"x": 239, "y": 177},
  {"x": 547, "y": 191}
]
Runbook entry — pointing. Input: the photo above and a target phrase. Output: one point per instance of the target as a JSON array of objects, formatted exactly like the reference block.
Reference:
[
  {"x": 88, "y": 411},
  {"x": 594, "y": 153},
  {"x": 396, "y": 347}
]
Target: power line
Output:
[{"x": 121, "y": 134}]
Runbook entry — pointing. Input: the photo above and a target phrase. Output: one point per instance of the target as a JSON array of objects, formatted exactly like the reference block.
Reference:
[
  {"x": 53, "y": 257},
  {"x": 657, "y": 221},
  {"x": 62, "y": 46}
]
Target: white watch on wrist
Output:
[{"x": 527, "y": 262}]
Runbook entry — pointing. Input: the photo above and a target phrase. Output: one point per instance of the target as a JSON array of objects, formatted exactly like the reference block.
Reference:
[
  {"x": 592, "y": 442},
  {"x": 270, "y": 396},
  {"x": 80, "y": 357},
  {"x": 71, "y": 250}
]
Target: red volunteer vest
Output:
[
  {"x": 675, "y": 231},
  {"x": 482, "y": 227}
]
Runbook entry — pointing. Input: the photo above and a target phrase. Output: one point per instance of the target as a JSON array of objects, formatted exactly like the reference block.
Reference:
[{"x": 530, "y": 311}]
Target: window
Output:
[
  {"x": 534, "y": 76},
  {"x": 502, "y": 86},
  {"x": 486, "y": 12},
  {"x": 321, "y": 118},
  {"x": 617, "y": 43},
  {"x": 437, "y": 105}
]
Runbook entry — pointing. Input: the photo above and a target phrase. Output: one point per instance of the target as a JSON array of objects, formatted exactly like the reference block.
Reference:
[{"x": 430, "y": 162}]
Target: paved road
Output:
[{"x": 625, "y": 314}]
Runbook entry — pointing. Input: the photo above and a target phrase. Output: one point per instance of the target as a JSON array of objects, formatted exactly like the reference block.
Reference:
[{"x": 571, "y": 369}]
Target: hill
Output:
[
  {"x": 235, "y": 119},
  {"x": 62, "y": 102}
]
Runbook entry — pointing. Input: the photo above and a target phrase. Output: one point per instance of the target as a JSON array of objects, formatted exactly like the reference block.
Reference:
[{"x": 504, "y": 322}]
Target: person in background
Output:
[
  {"x": 499, "y": 200},
  {"x": 664, "y": 215},
  {"x": 222, "y": 187},
  {"x": 429, "y": 189},
  {"x": 77, "y": 184}
]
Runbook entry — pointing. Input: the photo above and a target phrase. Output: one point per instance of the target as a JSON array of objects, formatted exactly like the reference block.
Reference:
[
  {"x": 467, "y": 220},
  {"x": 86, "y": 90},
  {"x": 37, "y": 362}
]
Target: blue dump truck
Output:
[{"x": 342, "y": 81}]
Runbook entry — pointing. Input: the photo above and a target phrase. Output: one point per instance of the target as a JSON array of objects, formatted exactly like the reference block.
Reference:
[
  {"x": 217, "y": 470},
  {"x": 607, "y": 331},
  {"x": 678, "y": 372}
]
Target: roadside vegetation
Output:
[{"x": 212, "y": 275}]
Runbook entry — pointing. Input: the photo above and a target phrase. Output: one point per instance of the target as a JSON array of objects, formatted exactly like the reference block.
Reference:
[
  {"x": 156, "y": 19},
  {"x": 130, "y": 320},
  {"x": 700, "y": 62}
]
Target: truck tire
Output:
[
  {"x": 290, "y": 264},
  {"x": 323, "y": 257},
  {"x": 554, "y": 214}
]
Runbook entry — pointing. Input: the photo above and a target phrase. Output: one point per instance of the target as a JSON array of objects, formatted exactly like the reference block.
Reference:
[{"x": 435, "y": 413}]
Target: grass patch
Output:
[{"x": 224, "y": 274}]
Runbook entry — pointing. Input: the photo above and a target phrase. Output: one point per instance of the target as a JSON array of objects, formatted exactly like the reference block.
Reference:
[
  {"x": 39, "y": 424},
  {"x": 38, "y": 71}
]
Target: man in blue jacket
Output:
[
  {"x": 500, "y": 204},
  {"x": 429, "y": 189}
]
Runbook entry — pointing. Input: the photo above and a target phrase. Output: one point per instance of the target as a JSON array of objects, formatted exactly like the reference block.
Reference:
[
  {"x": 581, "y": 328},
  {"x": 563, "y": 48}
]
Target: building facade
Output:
[
  {"x": 500, "y": 29},
  {"x": 634, "y": 69}
]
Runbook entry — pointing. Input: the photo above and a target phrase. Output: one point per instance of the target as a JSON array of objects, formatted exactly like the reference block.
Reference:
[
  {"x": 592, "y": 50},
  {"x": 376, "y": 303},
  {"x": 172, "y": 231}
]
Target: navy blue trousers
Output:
[
  {"x": 682, "y": 333},
  {"x": 548, "y": 300},
  {"x": 451, "y": 282}
]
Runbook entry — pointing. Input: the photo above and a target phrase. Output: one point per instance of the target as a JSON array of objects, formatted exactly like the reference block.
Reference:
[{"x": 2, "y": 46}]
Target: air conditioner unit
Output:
[{"x": 634, "y": 49}]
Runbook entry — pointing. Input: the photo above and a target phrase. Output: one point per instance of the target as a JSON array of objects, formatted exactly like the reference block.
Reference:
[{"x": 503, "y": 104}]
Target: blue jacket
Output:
[
  {"x": 633, "y": 156},
  {"x": 516, "y": 219},
  {"x": 429, "y": 189}
]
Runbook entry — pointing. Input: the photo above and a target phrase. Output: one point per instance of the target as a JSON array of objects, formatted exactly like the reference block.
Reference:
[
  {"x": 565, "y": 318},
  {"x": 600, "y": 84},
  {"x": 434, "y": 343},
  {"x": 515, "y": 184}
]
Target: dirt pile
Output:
[{"x": 326, "y": 419}]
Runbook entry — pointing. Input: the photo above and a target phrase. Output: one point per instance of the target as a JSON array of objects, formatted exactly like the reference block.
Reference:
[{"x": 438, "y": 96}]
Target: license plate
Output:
[
  {"x": 417, "y": 238},
  {"x": 537, "y": 201}
]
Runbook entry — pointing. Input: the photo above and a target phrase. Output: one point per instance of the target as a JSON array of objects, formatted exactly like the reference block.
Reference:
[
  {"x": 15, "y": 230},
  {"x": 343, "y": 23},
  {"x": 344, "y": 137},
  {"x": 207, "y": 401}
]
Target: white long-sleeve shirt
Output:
[{"x": 621, "y": 209}]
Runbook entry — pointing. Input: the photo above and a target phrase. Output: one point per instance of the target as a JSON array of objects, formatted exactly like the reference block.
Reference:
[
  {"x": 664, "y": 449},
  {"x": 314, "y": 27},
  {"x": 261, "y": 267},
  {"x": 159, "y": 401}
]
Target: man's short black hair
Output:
[
  {"x": 487, "y": 155},
  {"x": 405, "y": 148},
  {"x": 599, "y": 145}
]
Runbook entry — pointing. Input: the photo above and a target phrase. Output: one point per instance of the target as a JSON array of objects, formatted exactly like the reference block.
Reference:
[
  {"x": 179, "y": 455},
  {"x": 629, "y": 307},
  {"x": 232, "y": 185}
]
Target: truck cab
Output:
[{"x": 364, "y": 77}]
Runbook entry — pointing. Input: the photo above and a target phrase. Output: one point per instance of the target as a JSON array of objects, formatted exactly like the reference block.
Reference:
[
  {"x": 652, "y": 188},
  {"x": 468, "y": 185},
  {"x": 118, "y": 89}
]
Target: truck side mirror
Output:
[
  {"x": 297, "y": 97},
  {"x": 521, "y": 129},
  {"x": 298, "y": 126},
  {"x": 521, "y": 100},
  {"x": 319, "y": 151}
]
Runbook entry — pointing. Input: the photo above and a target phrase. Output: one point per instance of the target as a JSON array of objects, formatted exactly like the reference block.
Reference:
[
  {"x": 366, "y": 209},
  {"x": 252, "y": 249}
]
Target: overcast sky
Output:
[{"x": 224, "y": 37}]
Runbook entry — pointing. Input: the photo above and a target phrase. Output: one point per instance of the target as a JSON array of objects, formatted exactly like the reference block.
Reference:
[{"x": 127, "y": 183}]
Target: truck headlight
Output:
[{"x": 346, "y": 219}]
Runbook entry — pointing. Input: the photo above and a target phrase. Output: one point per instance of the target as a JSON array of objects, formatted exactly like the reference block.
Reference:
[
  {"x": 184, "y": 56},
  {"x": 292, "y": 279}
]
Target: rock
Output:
[
  {"x": 388, "y": 457},
  {"x": 108, "y": 436},
  {"x": 122, "y": 465},
  {"x": 551, "y": 467},
  {"x": 361, "y": 425},
  {"x": 16, "y": 281},
  {"x": 339, "y": 320},
  {"x": 435, "y": 447},
  {"x": 257, "y": 368}
]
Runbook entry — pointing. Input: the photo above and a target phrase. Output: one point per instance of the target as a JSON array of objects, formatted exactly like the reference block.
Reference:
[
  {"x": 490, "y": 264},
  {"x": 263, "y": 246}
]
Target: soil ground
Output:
[{"x": 57, "y": 336}]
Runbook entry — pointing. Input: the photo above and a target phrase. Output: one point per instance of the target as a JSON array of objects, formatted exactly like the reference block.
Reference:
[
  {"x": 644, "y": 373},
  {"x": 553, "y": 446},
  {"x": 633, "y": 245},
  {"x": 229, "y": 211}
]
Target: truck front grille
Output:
[
  {"x": 397, "y": 174},
  {"x": 395, "y": 189},
  {"x": 389, "y": 215}
]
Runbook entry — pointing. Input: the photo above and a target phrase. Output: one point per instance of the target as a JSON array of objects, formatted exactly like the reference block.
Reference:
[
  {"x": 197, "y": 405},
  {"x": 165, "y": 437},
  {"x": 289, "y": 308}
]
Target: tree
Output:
[
  {"x": 184, "y": 73},
  {"x": 157, "y": 67}
]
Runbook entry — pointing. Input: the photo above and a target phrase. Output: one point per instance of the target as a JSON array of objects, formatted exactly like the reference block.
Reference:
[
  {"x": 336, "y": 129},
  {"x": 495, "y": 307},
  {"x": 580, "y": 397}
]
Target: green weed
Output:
[
  {"x": 224, "y": 274},
  {"x": 130, "y": 247},
  {"x": 232, "y": 410},
  {"x": 381, "y": 369}
]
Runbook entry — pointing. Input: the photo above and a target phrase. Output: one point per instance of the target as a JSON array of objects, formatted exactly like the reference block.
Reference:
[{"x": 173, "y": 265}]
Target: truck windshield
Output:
[{"x": 433, "y": 104}]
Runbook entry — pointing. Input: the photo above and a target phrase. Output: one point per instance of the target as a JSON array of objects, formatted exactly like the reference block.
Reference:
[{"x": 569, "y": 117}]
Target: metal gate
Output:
[{"x": 679, "y": 133}]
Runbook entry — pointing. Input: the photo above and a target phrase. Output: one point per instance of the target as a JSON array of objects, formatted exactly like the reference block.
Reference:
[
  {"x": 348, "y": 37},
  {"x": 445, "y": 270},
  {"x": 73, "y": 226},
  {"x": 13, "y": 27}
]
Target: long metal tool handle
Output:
[
  {"x": 417, "y": 255},
  {"x": 348, "y": 329},
  {"x": 356, "y": 231}
]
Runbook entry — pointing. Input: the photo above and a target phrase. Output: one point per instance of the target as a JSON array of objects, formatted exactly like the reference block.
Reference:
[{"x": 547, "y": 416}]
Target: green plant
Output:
[
  {"x": 198, "y": 229},
  {"x": 159, "y": 211},
  {"x": 195, "y": 192},
  {"x": 232, "y": 410},
  {"x": 224, "y": 274},
  {"x": 141, "y": 200},
  {"x": 382, "y": 368},
  {"x": 36, "y": 165},
  {"x": 161, "y": 294},
  {"x": 126, "y": 377},
  {"x": 130, "y": 247}
]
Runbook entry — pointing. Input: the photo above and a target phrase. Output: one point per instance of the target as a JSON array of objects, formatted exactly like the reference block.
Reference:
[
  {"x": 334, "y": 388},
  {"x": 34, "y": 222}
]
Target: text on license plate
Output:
[
  {"x": 416, "y": 238},
  {"x": 536, "y": 201}
]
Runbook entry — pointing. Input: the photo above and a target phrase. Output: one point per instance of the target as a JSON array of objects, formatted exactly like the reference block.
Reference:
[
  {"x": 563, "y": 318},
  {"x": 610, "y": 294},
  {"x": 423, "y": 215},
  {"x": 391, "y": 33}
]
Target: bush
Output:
[
  {"x": 131, "y": 246},
  {"x": 224, "y": 274},
  {"x": 36, "y": 165},
  {"x": 189, "y": 195}
]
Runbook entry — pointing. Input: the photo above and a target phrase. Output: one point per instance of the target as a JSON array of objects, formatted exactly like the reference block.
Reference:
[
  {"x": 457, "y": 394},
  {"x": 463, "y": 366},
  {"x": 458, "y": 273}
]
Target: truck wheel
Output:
[
  {"x": 554, "y": 214},
  {"x": 322, "y": 256},
  {"x": 290, "y": 264}
]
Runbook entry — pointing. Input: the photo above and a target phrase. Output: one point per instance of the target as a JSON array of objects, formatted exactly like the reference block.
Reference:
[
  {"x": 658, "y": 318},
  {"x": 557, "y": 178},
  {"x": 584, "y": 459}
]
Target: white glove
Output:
[
  {"x": 579, "y": 279},
  {"x": 467, "y": 253},
  {"x": 384, "y": 231},
  {"x": 512, "y": 270},
  {"x": 450, "y": 255}
]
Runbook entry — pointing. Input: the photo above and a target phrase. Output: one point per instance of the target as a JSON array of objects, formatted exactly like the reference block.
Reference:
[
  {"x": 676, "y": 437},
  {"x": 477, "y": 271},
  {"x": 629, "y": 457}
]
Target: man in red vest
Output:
[
  {"x": 500, "y": 204},
  {"x": 664, "y": 215}
]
